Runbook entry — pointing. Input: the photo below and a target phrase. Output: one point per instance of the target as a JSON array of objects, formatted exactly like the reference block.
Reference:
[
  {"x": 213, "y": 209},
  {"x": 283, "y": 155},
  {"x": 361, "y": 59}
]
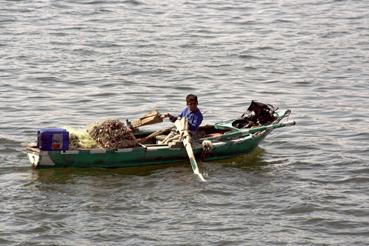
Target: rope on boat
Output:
[
  {"x": 80, "y": 139},
  {"x": 207, "y": 147}
]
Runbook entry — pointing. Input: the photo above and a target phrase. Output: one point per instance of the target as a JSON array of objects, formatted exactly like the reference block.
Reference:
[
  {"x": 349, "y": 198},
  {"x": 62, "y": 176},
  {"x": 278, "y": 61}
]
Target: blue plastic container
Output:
[{"x": 53, "y": 139}]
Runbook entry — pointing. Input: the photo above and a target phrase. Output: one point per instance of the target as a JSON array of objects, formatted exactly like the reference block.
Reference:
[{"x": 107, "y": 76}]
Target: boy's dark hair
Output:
[{"x": 191, "y": 98}]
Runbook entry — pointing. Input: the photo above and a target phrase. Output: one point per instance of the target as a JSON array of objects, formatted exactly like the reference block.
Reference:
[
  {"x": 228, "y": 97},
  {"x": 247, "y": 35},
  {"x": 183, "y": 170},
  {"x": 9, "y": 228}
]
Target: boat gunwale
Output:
[
  {"x": 230, "y": 142},
  {"x": 233, "y": 136}
]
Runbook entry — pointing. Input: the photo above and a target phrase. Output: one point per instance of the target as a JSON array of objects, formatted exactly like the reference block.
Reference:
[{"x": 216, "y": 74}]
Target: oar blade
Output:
[
  {"x": 182, "y": 126},
  {"x": 192, "y": 158},
  {"x": 152, "y": 117}
]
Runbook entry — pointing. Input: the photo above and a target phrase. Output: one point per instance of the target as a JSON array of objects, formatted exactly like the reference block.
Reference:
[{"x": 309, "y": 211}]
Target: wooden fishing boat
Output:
[{"x": 219, "y": 141}]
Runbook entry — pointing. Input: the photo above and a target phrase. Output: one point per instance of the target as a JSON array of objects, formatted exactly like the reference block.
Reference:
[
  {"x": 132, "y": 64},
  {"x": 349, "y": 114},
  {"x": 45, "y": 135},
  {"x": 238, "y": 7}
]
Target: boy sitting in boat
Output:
[{"x": 191, "y": 112}]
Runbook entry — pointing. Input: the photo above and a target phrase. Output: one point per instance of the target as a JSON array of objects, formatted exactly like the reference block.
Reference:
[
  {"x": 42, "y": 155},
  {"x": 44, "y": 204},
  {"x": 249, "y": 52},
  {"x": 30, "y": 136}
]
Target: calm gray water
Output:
[{"x": 64, "y": 63}]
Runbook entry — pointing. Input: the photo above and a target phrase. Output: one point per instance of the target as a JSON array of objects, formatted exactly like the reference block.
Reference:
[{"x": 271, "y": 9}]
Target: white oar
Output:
[{"x": 182, "y": 127}]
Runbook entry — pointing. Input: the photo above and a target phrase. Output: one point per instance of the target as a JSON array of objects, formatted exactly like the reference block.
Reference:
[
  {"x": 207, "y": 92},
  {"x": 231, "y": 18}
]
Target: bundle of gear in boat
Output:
[{"x": 117, "y": 134}]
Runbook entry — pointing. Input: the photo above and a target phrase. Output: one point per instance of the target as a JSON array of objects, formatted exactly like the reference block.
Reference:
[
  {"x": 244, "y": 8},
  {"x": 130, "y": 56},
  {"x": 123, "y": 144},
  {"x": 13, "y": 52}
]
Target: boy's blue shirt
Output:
[{"x": 194, "y": 118}]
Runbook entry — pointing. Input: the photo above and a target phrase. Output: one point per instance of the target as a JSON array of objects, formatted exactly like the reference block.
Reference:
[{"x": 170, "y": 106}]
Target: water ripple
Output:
[{"x": 68, "y": 63}]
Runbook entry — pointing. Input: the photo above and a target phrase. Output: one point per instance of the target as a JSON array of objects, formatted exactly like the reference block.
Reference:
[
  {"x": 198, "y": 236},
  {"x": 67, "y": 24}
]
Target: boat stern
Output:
[{"x": 39, "y": 158}]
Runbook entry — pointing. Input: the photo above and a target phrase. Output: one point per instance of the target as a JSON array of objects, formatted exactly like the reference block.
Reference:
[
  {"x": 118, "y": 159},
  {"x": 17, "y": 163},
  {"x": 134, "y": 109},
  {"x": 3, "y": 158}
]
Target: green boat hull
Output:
[
  {"x": 232, "y": 143},
  {"x": 140, "y": 156}
]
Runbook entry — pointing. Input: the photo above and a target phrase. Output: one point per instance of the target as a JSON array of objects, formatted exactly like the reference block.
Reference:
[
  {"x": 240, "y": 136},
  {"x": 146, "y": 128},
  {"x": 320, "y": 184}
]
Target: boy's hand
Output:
[{"x": 171, "y": 117}]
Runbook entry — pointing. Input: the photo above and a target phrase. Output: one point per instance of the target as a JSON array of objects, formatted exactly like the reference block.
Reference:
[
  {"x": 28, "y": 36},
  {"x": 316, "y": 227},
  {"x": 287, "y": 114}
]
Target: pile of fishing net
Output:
[
  {"x": 112, "y": 134},
  {"x": 108, "y": 134}
]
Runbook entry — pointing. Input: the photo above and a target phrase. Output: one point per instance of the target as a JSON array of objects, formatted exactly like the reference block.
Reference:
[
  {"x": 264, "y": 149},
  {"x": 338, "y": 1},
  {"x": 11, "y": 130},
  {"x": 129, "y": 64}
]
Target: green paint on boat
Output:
[{"x": 231, "y": 142}]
